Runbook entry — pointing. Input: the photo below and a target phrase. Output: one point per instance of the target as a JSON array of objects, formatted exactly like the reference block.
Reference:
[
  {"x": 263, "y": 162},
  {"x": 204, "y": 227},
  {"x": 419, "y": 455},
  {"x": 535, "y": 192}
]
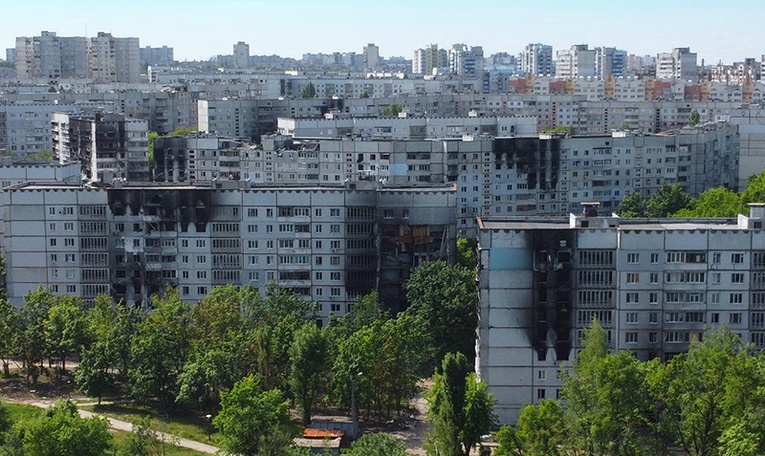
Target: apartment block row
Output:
[
  {"x": 502, "y": 176},
  {"x": 104, "y": 58},
  {"x": 654, "y": 285},
  {"x": 329, "y": 244}
]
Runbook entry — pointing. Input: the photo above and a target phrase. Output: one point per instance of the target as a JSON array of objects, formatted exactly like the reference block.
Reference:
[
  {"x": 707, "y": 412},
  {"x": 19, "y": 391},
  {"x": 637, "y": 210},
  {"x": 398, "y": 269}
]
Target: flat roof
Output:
[{"x": 563, "y": 223}]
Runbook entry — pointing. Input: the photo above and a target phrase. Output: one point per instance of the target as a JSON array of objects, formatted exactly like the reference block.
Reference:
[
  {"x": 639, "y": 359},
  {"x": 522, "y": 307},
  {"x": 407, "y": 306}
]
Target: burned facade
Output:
[{"x": 131, "y": 241}]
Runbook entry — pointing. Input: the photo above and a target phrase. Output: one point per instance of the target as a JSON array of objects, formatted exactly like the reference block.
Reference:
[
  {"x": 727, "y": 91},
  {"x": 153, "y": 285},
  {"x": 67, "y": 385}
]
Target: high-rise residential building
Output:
[
  {"x": 49, "y": 56},
  {"x": 241, "y": 55},
  {"x": 467, "y": 61},
  {"x": 576, "y": 62},
  {"x": 161, "y": 56},
  {"x": 113, "y": 59},
  {"x": 653, "y": 285},
  {"x": 537, "y": 58},
  {"x": 678, "y": 64},
  {"x": 329, "y": 244},
  {"x": 10, "y": 55},
  {"x": 371, "y": 56},
  {"x": 609, "y": 62},
  {"x": 428, "y": 59},
  {"x": 107, "y": 145}
]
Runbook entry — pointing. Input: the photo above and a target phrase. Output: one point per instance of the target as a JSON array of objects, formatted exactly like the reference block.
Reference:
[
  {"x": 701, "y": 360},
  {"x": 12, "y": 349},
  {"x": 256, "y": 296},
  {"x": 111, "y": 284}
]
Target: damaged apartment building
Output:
[
  {"x": 515, "y": 176},
  {"x": 330, "y": 244},
  {"x": 654, "y": 286}
]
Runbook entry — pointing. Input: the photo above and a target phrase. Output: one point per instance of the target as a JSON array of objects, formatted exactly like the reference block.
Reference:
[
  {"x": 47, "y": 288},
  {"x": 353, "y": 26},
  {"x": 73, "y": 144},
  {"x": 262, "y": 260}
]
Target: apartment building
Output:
[
  {"x": 405, "y": 127},
  {"x": 241, "y": 55},
  {"x": 156, "y": 56},
  {"x": 678, "y": 64},
  {"x": 199, "y": 158},
  {"x": 537, "y": 59},
  {"x": 575, "y": 62},
  {"x": 51, "y": 57},
  {"x": 654, "y": 285},
  {"x": 107, "y": 145},
  {"x": 516, "y": 176},
  {"x": 112, "y": 59},
  {"x": 429, "y": 59},
  {"x": 130, "y": 241}
]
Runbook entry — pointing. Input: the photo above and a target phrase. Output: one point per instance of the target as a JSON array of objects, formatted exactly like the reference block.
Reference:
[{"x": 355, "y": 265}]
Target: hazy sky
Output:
[{"x": 717, "y": 30}]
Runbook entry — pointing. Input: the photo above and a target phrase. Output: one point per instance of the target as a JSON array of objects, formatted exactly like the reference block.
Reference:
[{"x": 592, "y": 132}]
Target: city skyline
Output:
[{"x": 198, "y": 31}]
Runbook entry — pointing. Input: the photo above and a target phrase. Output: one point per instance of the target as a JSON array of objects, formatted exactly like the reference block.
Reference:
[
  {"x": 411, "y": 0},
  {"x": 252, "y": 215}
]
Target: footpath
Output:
[{"x": 125, "y": 426}]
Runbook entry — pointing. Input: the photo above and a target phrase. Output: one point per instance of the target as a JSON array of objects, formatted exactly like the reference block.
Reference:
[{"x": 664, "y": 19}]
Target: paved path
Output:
[{"x": 125, "y": 426}]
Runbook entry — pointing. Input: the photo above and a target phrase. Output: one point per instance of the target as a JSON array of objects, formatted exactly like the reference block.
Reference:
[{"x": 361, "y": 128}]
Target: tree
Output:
[
  {"x": 65, "y": 329},
  {"x": 92, "y": 376},
  {"x": 713, "y": 202},
  {"x": 309, "y": 91},
  {"x": 61, "y": 432},
  {"x": 444, "y": 298},
  {"x": 695, "y": 118},
  {"x": 460, "y": 409},
  {"x": 183, "y": 131},
  {"x": 150, "y": 140},
  {"x": 9, "y": 329},
  {"x": 606, "y": 399},
  {"x": 391, "y": 110},
  {"x": 712, "y": 396},
  {"x": 631, "y": 206},
  {"x": 540, "y": 431},
  {"x": 380, "y": 444},
  {"x": 249, "y": 418},
  {"x": 145, "y": 441},
  {"x": 668, "y": 200},
  {"x": 160, "y": 349},
  {"x": 466, "y": 253},
  {"x": 31, "y": 337},
  {"x": 308, "y": 357}
]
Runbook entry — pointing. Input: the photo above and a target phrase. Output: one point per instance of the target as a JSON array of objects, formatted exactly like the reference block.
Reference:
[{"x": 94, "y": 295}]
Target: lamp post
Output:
[{"x": 354, "y": 406}]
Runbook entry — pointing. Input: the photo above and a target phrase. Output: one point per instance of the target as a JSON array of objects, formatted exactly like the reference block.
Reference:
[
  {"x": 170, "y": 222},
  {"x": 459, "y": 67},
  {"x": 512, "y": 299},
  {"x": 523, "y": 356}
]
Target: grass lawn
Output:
[
  {"x": 169, "y": 450},
  {"x": 21, "y": 412},
  {"x": 186, "y": 425}
]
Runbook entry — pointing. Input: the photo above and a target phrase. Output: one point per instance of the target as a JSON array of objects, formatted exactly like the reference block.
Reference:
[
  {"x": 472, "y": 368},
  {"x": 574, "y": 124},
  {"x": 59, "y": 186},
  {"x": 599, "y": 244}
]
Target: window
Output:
[
  {"x": 633, "y": 258},
  {"x": 69, "y": 242},
  {"x": 52, "y": 242},
  {"x": 654, "y": 258},
  {"x": 632, "y": 318},
  {"x": 652, "y": 338},
  {"x": 71, "y": 288},
  {"x": 716, "y": 257},
  {"x": 202, "y": 291},
  {"x": 631, "y": 337},
  {"x": 654, "y": 278},
  {"x": 715, "y": 278},
  {"x": 735, "y": 318},
  {"x": 201, "y": 274},
  {"x": 714, "y": 318},
  {"x": 737, "y": 277},
  {"x": 736, "y": 298},
  {"x": 737, "y": 258},
  {"x": 334, "y": 276},
  {"x": 653, "y": 298},
  {"x": 632, "y": 298},
  {"x": 541, "y": 393},
  {"x": 653, "y": 317},
  {"x": 541, "y": 375},
  {"x": 334, "y": 260},
  {"x": 334, "y": 291},
  {"x": 633, "y": 277}
]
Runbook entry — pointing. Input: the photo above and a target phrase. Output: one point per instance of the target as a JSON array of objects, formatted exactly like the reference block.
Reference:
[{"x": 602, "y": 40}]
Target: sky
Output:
[{"x": 197, "y": 29}]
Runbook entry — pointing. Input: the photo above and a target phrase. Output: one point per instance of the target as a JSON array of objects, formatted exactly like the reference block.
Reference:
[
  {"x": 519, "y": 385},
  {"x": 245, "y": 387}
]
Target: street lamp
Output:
[{"x": 354, "y": 406}]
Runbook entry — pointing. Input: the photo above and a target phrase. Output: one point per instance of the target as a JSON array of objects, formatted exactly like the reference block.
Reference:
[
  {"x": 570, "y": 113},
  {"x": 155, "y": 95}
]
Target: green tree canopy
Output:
[
  {"x": 444, "y": 298},
  {"x": 380, "y": 444},
  {"x": 309, "y": 91},
  {"x": 62, "y": 432},
  {"x": 460, "y": 409},
  {"x": 308, "y": 356},
  {"x": 714, "y": 202},
  {"x": 250, "y": 418}
]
